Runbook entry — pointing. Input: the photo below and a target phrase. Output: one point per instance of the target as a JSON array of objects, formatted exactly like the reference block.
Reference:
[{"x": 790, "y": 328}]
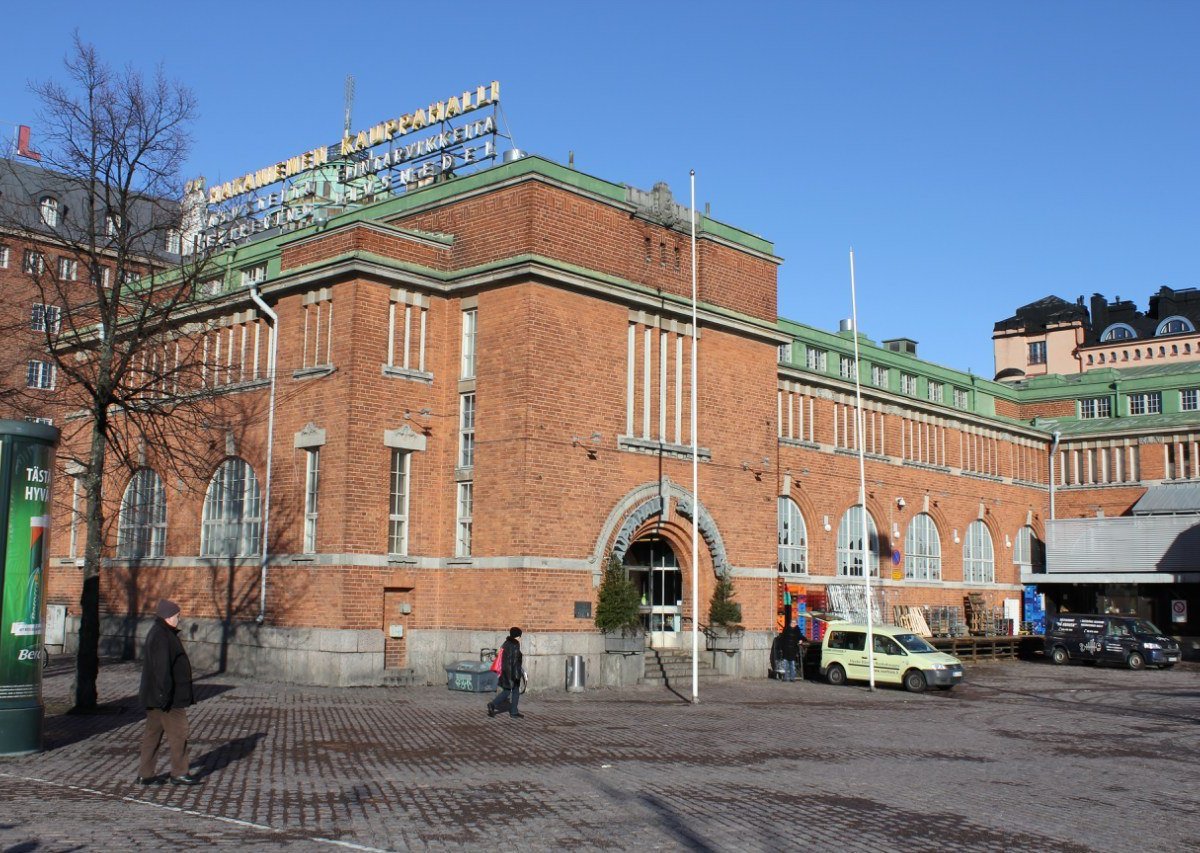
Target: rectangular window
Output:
[
  {"x": 68, "y": 269},
  {"x": 317, "y": 350},
  {"x": 466, "y": 431},
  {"x": 937, "y": 392},
  {"x": 816, "y": 359},
  {"x": 462, "y": 539},
  {"x": 1095, "y": 407},
  {"x": 785, "y": 353},
  {"x": 128, "y": 277},
  {"x": 112, "y": 224},
  {"x": 908, "y": 383},
  {"x": 879, "y": 376},
  {"x": 1037, "y": 352},
  {"x": 1189, "y": 400},
  {"x": 1146, "y": 403},
  {"x": 3, "y": 257},
  {"x": 40, "y": 374},
  {"x": 174, "y": 242},
  {"x": 254, "y": 275},
  {"x": 468, "y": 344},
  {"x": 398, "y": 503},
  {"x": 34, "y": 263},
  {"x": 312, "y": 483},
  {"x": 846, "y": 367},
  {"x": 962, "y": 400},
  {"x": 100, "y": 276},
  {"x": 42, "y": 317},
  {"x": 407, "y": 322}
]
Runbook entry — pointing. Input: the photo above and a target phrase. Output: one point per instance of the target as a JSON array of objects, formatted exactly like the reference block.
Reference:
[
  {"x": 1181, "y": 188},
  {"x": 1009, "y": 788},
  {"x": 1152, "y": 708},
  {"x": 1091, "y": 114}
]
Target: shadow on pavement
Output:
[
  {"x": 68, "y": 728},
  {"x": 226, "y": 754}
]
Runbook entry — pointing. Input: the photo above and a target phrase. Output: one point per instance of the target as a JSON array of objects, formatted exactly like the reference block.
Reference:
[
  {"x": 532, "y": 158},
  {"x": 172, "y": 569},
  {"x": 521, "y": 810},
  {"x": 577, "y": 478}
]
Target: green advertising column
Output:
[{"x": 26, "y": 460}]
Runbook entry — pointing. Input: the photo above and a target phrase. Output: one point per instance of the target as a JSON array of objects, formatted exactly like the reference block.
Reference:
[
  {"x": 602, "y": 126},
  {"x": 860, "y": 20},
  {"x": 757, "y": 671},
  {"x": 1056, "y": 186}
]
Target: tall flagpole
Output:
[
  {"x": 862, "y": 474},
  {"x": 695, "y": 476}
]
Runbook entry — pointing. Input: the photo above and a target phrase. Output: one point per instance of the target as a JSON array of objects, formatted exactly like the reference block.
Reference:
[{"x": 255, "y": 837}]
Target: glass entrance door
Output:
[{"x": 654, "y": 569}]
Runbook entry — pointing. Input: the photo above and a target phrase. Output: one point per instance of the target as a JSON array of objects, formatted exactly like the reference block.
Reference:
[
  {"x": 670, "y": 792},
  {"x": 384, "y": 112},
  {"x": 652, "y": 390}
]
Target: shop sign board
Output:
[
  {"x": 26, "y": 462},
  {"x": 388, "y": 157}
]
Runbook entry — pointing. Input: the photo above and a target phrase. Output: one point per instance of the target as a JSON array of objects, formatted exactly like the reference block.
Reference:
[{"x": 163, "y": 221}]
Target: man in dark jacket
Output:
[
  {"x": 510, "y": 675},
  {"x": 165, "y": 694},
  {"x": 789, "y": 651}
]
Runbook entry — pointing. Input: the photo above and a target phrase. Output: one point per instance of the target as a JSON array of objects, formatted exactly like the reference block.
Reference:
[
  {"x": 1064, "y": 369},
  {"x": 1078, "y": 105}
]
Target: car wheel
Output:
[
  {"x": 835, "y": 675},
  {"x": 914, "y": 681},
  {"x": 1136, "y": 661},
  {"x": 1059, "y": 655}
]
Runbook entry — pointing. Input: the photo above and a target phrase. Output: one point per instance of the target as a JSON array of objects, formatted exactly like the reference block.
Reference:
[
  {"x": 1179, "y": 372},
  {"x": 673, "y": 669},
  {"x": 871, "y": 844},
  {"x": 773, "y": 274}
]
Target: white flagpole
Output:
[
  {"x": 695, "y": 476},
  {"x": 862, "y": 475}
]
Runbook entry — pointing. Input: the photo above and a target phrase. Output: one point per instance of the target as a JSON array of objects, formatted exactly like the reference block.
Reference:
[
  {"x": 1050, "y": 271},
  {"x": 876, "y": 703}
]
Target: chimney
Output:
[{"x": 23, "y": 149}]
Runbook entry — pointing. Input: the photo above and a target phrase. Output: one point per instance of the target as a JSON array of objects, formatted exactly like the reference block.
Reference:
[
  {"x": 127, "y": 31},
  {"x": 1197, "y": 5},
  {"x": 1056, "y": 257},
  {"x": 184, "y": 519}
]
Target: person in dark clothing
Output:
[
  {"x": 166, "y": 692},
  {"x": 789, "y": 651},
  {"x": 510, "y": 675}
]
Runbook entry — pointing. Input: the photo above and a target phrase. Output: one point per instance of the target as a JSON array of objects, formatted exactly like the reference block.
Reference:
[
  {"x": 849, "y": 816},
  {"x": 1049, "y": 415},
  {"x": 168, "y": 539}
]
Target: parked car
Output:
[
  {"x": 901, "y": 657},
  {"x": 1125, "y": 640}
]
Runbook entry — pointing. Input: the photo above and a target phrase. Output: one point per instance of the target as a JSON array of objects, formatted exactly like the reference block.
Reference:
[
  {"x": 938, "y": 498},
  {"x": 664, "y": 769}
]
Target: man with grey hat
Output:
[{"x": 166, "y": 693}]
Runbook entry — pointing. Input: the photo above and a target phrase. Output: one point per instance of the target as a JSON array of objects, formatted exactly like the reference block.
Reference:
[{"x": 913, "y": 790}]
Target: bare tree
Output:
[{"x": 112, "y": 262}]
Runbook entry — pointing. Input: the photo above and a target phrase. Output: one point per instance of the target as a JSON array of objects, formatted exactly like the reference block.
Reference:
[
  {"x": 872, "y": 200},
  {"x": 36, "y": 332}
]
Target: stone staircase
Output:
[{"x": 673, "y": 668}]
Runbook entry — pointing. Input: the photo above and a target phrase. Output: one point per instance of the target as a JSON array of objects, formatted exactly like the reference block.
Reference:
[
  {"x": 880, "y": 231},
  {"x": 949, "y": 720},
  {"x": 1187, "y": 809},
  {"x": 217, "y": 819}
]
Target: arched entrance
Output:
[{"x": 654, "y": 570}]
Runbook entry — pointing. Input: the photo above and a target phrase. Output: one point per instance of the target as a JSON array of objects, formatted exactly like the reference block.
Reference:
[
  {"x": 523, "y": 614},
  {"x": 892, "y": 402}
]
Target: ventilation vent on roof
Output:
[{"x": 903, "y": 345}]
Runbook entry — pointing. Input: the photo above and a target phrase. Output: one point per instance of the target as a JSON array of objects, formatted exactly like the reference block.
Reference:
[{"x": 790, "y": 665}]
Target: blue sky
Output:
[{"x": 978, "y": 156}]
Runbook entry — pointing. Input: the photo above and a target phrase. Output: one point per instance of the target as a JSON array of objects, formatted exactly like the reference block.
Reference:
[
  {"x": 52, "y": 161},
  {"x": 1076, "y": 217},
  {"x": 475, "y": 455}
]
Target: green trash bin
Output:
[{"x": 471, "y": 676}]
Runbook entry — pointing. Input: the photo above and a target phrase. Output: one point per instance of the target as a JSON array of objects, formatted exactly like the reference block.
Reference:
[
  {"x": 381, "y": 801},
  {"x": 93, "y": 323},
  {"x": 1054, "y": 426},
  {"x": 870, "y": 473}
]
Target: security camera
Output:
[{"x": 900, "y": 502}]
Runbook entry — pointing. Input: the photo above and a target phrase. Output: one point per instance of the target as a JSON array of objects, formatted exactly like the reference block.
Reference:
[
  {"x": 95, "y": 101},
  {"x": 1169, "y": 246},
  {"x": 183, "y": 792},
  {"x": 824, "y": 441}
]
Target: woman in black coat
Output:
[{"x": 511, "y": 670}]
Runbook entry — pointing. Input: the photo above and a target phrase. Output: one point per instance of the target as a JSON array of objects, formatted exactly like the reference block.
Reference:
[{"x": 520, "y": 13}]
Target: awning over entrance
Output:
[{"x": 1168, "y": 498}]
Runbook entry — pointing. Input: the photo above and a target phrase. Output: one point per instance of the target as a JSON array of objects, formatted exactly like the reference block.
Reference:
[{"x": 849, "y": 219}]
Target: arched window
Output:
[
  {"x": 232, "y": 521},
  {"x": 48, "y": 208},
  {"x": 1175, "y": 325},
  {"x": 142, "y": 527},
  {"x": 979, "y": 565},
  {"x": 922, "y": 550},
  {"x": 793, "y": 538},
  {"x": 1118, "y": 332},
  {"x": 850, "y": 544},
  {"x": 1029, "y": 554}
]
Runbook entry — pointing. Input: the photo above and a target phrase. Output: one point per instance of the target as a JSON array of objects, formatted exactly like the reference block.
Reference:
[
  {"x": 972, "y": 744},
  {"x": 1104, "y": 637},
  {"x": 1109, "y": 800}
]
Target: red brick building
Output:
[{"x": 481, "y": 390}]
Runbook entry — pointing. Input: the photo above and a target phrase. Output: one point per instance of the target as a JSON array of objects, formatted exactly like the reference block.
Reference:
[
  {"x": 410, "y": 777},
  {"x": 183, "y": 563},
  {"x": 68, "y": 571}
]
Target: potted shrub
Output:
[
  {"x": 724, "y": 631},
  {"x": 617, "y": 614}
]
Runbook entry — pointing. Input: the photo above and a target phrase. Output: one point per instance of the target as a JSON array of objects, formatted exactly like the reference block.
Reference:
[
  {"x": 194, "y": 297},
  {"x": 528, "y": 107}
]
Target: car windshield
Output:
[
  {"x": 1144, "y": 626},
  {"x": 914, "y": 643}
]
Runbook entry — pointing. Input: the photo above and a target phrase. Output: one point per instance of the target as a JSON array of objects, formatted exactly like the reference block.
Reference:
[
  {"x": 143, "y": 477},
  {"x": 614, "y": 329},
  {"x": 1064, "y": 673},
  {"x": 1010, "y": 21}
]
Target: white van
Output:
[{"x": 901, "y": 657}]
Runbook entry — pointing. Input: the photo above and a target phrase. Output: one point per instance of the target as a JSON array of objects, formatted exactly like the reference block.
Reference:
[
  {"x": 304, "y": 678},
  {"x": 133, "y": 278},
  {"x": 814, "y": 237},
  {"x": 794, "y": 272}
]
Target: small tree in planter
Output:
[
  {"x": 617, "y": 610},
  {"x": 724, "y": 632}
]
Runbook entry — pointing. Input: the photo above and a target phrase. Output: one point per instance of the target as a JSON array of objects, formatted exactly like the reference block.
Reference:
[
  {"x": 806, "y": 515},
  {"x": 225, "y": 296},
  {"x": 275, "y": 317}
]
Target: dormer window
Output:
[
  {"x": 1175, "y": 326},
  {"x": 48, "y": 207},
  {"x": 112, "y": 224},
  {"x": 1118, "y": 332}
]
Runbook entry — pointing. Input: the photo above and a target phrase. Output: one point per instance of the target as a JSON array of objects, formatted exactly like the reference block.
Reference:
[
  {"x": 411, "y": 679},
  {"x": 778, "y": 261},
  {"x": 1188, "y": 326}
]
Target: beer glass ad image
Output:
[{"x": 26, "y": 461}]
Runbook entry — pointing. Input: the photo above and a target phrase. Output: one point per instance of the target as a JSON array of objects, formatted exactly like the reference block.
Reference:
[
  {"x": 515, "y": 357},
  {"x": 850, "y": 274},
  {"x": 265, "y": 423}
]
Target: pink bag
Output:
[{"x": 498, "y": 661}]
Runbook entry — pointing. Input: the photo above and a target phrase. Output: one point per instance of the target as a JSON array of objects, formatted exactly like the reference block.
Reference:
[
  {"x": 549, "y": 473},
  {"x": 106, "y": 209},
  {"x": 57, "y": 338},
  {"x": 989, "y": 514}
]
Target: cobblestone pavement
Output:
[{"x": 1024, "y": 756}]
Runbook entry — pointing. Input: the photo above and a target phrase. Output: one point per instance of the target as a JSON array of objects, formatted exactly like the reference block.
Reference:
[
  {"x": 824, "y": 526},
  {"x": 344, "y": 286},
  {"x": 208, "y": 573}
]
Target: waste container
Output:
[
  {"x": 472, "y": 676},
  {"x": 576, "y": 674}
]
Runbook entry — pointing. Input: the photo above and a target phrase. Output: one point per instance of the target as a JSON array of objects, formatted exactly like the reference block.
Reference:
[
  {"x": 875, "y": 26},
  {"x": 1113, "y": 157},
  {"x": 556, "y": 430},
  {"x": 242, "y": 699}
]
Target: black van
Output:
[{"x": 1125, "y": 640}]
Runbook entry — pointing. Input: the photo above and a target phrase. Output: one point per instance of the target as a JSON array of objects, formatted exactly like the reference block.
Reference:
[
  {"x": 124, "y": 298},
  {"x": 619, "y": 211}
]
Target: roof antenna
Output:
[{"x": 349, "y": 104}]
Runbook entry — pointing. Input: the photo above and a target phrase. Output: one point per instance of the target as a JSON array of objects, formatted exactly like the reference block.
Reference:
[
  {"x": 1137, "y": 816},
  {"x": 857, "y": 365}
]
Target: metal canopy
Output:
[{"x": 1169, "y": 499}]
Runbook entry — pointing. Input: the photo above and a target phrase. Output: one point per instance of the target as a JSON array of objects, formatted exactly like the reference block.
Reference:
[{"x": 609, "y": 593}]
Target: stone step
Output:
[{"x": 674, "y": 666}]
